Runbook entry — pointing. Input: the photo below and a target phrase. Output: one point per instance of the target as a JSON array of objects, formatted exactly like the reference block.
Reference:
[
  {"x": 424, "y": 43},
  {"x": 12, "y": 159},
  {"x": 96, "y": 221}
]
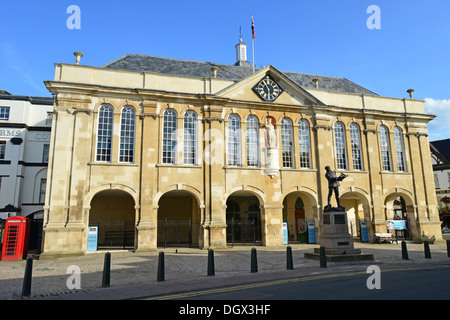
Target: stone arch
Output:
[
  {"x": 113, "y": 211},
  {"x": 179, "y": 217},
  {"x": 357, "y": 204},
  {"x": 300, "y": 205}
]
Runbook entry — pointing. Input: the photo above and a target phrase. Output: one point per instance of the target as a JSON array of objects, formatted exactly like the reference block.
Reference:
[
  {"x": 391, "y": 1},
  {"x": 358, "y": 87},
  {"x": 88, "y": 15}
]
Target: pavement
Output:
[{"x": 134, "y": 275}]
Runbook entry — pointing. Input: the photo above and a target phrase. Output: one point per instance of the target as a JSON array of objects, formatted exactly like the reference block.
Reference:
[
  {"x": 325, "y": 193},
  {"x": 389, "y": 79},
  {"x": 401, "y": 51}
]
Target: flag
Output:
[{"x": 253, "y": 29}]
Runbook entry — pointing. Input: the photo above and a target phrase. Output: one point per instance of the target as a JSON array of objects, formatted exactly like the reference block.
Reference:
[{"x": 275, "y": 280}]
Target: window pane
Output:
[
  {"x": 234, "y": 140},
  {"x": 304, "y": 143},
  {"x": 127, "y": 134},
  {"x": 4, "y": 113},
  {"x": 169, "y": 136},
  {"x": 104, "y": 133},
  {"x": 385, "y": 149},
  {"x": 339, "y": 139},
  {"x": 252, "y": 141},
  {"x": 287, "y": 143},
  {"x": 355, "y": 138},
  {"x": 190, "y": 137},
  {"x": 399, "y": 149}
]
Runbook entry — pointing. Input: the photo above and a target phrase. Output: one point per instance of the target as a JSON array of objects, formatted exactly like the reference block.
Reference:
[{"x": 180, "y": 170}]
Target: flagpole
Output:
[{"x": 253, "y": 45}]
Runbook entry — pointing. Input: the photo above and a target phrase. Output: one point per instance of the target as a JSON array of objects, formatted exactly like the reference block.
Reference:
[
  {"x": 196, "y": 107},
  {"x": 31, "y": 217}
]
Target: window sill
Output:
[{"x": 112, "y": 164}]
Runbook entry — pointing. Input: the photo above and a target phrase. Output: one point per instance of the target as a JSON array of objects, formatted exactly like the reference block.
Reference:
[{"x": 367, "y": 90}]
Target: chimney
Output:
[
  {"x": 410, "y": 91},
  {"x": 78, "y": 54}
]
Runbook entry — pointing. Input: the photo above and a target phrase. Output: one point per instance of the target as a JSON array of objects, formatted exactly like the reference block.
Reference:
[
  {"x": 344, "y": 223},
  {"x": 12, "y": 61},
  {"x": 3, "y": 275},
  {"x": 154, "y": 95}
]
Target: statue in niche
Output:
[
  {"x": 333, "y": 186},
  {"x": 271, "y": 136}
]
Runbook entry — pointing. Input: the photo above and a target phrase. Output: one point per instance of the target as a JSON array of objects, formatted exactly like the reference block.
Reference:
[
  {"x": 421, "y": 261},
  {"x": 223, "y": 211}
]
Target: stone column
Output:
[
  {"x": 214, "y": 226},
  {"x": 148, "y": 158}
]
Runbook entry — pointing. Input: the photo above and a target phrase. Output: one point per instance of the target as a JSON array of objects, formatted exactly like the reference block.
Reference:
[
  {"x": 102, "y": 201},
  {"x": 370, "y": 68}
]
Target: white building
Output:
[
  {"x": 25, "y": 124},
  {"x": 440, "y": 155}
]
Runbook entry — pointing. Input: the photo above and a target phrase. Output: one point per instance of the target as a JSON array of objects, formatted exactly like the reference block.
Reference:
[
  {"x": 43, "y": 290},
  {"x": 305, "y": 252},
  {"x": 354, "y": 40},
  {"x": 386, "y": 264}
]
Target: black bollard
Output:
[
  {"x": 404, "y": 251},
  {"x": 210, "y": 262},
  {"x": 323, "y": 258},
  {"x": 106, "y": 270},
  {"x": 254, "y": 261},
  {"x": 160, "y": 276},
  {"x": 26, "y": 288},
  {"x": 426, "y": 246},
  {"x": 289, "y": 261}
]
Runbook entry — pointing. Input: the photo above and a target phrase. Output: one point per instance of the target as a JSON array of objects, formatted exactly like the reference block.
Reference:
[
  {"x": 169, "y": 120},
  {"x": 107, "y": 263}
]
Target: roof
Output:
[
  {"x": 33, "y": 100},
  {"x": 202, "y": 69},
  {"x": 442, "y": 149}
]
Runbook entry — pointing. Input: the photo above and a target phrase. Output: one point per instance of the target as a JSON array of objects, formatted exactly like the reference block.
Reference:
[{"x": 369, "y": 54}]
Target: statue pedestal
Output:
[
  {"x": 336, "y": 239},
  {"x": 272, "y": 160}
]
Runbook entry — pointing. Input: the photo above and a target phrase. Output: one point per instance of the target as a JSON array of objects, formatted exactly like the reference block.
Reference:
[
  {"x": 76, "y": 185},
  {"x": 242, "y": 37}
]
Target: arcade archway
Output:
[
  {"x": 299, "y": 208},
  {"x": 243, "y": 216},
  {"x": 178, "y": 220},
  {"x": 113, "y": 212}
]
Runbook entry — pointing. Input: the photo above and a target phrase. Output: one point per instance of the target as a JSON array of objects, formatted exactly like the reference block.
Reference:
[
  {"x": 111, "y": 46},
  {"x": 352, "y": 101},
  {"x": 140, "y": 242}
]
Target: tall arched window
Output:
[
  {"x": 169, "y": 137},
  {"x": 190, "y": 138},
  {"x": 234, "y": 140},
  {"x": 399, "y": 149},
  {"x": 304, "y": 143},
  {"x": 287, "y": 143},
  {"x": 355, "y": 137},
  {"x": 252, "y": 141},
  {"x": 385, "y": 149},
  {"x": 104, "y": 133},
  {"x": 127, "y": 133},
  {"x": 340, "y": 145}
]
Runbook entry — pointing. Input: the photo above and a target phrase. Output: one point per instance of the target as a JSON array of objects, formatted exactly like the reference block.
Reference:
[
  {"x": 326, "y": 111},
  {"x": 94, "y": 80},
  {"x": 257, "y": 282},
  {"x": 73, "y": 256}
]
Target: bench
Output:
[{"x": 385, "y": 237}]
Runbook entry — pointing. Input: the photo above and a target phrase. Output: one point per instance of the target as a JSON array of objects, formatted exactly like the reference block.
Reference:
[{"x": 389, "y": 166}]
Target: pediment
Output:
[{"x": 291, "y": 92}]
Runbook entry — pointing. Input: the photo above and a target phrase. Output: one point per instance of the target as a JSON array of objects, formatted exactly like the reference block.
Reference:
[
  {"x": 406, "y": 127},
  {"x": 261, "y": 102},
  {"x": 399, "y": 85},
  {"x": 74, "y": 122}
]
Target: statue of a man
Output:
[
  {"x": 333, "y": 185},
  {"x": 271, "y": 135}
]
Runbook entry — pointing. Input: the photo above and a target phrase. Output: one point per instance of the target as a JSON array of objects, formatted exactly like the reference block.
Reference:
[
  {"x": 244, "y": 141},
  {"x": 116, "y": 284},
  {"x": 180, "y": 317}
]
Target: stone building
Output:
[{"x": 158, "y": 151}]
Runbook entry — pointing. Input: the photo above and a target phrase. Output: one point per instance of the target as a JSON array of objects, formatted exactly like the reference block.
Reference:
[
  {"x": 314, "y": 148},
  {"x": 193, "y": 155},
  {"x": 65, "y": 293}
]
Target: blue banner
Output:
[
  {"x": 396, "y": 224},
  {"x": 92, "y": 239},
  {"x": 311, "y": 232},
  {"x": 364, "y": 234}
]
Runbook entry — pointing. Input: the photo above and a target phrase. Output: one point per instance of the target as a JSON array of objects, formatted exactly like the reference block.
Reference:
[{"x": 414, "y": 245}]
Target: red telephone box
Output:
[{"x": 15, "y": 238}]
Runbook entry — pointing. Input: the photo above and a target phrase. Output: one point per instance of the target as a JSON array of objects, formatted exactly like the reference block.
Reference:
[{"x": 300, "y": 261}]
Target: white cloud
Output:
[{"x": 439, "y": 128}]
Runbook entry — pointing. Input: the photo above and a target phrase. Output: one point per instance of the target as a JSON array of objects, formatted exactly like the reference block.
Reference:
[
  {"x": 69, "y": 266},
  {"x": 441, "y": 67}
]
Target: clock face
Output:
[{"x": 268, "y": 89}]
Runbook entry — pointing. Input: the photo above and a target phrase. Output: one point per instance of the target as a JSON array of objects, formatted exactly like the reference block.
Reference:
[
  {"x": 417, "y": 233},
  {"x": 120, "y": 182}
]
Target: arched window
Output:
[
  {"x": 304, "y": 143},
  {"x": 234, "y": 140},
  {"x": 190, "y": 138},
  {"x": 399, "y": 149},
  {"x": 385, "y": 149},
  {"x": 127, "y": 133},
  {"x": 355, "y": 137},
  {"x": 104, "y": 133},
  {"x": 340, "y": 145},
  {"x": 252, "y": 141},
  {"x": 287, "y": 143},
  {"x": 169, "y": 137}
]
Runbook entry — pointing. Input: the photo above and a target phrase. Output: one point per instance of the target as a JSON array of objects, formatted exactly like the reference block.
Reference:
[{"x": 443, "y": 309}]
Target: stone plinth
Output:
[{"x": 336, "y": 239}]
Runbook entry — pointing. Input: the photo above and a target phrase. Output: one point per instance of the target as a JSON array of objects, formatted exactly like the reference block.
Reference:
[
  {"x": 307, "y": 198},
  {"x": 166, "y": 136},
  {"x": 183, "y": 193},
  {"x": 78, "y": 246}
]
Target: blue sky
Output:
[{"x": 410, "y": 50}]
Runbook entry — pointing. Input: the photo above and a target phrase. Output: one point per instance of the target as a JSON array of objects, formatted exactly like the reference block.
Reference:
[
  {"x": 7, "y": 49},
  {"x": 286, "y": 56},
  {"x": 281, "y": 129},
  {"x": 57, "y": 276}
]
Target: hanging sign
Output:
[
  {"x": 92, "y": 239},
  {"x": 311, "y": 232},
  {"x": 364, "y": 234}
]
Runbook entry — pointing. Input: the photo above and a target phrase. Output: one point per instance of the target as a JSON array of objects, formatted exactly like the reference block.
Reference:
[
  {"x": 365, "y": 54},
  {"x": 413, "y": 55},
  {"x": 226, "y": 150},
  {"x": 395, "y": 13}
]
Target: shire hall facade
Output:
[{"x": 157, "y": 151}]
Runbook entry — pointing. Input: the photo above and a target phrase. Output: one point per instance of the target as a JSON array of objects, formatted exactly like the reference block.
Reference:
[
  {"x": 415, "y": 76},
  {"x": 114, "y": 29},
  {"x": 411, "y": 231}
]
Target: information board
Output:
[
  {"x": 92, "y": 239},
  {"x": 311, "y": 232}
]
